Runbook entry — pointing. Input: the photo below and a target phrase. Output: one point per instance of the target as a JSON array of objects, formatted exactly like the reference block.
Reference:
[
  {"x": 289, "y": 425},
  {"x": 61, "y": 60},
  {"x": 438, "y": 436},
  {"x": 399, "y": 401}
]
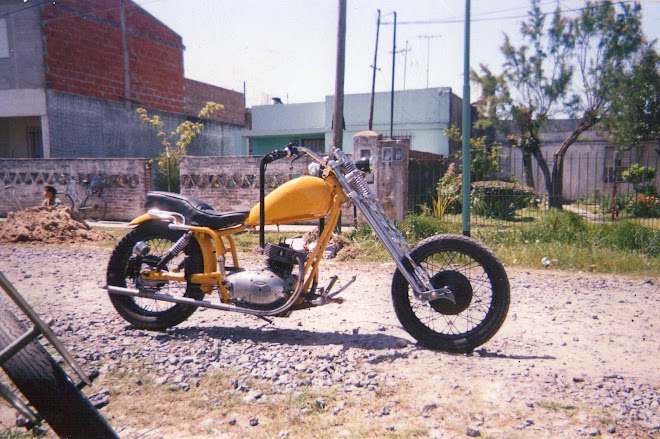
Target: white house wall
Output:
[{"x": 421, "y": 115}]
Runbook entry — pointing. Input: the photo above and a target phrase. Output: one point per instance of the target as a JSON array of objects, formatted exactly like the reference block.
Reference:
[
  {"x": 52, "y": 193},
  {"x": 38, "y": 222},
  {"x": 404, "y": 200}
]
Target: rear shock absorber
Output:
[{"x": 175, "y": 250}]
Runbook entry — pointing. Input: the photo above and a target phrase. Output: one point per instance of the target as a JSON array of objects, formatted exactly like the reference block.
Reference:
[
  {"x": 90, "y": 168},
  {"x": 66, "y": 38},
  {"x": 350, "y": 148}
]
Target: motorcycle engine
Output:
[{"x": 270, "y": 287}]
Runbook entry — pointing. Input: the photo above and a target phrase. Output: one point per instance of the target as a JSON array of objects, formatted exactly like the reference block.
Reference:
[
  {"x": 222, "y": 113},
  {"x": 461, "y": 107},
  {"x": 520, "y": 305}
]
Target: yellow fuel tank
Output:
[{"x": 301, "y": 199}]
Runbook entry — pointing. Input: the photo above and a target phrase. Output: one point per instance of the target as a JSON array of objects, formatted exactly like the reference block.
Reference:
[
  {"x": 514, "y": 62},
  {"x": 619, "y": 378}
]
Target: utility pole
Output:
[
  {"x": 405, "y": 67},
  {"x": 338, "y": 117},
  {"x": 392, "y": 93},
  {"x": 467, "y": 124},
  {"x": 373, "y": 80},
  {"x": 428, "y": 39}
]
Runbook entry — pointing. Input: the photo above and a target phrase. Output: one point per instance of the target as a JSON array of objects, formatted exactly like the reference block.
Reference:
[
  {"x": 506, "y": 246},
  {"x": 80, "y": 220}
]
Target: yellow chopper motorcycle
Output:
[{"x": 450, "y": 292}]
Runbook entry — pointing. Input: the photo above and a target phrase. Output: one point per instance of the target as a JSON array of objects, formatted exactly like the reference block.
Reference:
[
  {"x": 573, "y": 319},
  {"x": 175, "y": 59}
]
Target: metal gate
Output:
[{"x": 424, "y": 171}]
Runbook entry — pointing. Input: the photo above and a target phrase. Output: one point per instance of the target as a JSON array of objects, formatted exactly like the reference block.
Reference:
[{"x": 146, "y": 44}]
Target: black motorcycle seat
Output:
[{"x": 195, "y": 211}]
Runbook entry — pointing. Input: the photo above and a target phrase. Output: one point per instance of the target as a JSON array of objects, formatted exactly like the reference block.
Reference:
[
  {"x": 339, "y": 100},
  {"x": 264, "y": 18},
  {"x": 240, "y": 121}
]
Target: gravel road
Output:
[{"x": 570, "y": 339}]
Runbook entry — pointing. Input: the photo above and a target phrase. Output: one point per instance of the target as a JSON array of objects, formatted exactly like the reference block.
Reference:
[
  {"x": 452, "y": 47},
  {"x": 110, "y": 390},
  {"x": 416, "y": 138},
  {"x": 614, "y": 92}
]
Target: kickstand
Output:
[
  {"x": 266, "y": 319},
  {"x": 326, "y": 297}
]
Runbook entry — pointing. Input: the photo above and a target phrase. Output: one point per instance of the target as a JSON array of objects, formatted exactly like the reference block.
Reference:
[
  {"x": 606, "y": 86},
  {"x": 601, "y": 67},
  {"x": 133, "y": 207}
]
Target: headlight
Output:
[
  {"x": 365, "y": 164},
  {"x": 314, "y": 169}
]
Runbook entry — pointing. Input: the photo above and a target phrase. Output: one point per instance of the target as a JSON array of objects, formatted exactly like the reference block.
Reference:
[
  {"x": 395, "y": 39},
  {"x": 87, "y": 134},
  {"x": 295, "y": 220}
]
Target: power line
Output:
[{"x": 510, "y": 17}]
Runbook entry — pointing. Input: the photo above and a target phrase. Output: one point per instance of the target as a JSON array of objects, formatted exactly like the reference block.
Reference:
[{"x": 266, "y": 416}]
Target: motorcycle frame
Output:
[
  {"x": 349, "y": 184},
  {"x": 216, "y": 246}
]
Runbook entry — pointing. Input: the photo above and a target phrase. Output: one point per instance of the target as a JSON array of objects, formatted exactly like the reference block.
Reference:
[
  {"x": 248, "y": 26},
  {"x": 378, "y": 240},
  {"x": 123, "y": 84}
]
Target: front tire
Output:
[
  {"x": 48, "y": 388},
  {"x": 124, "y": 271},
  {"x": 477, "y": 279}
]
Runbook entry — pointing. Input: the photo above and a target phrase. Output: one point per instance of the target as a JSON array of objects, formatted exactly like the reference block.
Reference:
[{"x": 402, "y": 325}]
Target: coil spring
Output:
[
  {"x": 181, "y": 243},
  {"x": 357, "y": 182},
  {"x": 175, "y": 250}
]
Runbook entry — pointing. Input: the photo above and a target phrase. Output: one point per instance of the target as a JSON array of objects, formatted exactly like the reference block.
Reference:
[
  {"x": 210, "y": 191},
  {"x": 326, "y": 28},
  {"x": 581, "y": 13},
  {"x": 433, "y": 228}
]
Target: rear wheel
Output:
[
  {"x": 95, "y": 206},
  {"x": 124, "y": 270},
  {"x": 48, "y": 388},
  {"x": 67, "y": 201},
  {"x": 480, "y": 286}
]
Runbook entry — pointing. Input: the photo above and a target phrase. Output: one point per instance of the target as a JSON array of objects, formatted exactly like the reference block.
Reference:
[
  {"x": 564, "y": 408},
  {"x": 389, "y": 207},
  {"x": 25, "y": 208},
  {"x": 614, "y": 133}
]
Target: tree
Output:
[
  {"x": 570, "y": 67},
  {"x": 635, "y": 112},
  {"x": 484, "y": 160},
  {"x": 168, "y": 161}
]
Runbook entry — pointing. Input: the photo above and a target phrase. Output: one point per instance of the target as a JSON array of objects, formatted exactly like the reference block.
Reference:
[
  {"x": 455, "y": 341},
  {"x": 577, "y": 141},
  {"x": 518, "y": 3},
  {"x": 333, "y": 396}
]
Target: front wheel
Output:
[
  {"x": 95, "y": 206},
  {"x": 125, "y": 268},
  {"x": 479, "y": 283}
]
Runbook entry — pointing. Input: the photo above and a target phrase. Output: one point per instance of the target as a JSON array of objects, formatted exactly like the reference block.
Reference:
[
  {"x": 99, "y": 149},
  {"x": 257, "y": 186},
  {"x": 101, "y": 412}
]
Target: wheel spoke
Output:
[
  {"x": 159, "y": 247},
  {"x": 482, "y": 291}
]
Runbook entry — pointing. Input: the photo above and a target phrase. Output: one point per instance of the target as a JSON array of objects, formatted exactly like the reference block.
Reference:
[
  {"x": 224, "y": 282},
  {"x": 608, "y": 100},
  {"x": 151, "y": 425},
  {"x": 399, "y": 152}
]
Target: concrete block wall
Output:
[
  {"x": 82, "y": 126},
  {"x": 128, "y": 181}
]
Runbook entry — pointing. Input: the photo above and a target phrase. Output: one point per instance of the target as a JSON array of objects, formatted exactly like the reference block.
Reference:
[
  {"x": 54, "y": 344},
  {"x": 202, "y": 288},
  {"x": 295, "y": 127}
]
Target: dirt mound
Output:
[{"x": 49, "y": 225}]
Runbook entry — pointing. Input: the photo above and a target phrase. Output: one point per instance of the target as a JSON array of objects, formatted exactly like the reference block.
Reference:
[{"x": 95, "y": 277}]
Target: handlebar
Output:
[{"x": 287, "y": 151}]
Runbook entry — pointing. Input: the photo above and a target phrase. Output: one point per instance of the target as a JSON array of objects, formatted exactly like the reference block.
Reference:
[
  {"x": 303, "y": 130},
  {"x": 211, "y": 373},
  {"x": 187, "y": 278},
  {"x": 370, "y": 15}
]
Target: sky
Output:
[{"x": 287, "y": 48}]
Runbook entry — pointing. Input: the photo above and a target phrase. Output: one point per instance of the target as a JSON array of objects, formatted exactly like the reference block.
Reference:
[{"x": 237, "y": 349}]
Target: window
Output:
[
  {"x": 316, "y": 145},
  {"x": 33, "y": 137},
  {"x": 4, "y": 39}
]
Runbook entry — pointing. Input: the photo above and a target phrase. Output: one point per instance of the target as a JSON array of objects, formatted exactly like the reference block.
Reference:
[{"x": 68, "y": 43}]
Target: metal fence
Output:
[{"x": 596, "y": 185}]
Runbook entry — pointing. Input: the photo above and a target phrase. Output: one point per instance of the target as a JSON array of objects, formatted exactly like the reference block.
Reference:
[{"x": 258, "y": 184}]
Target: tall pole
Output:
[
  {"x": 373, "y": 80},
  {"x": 405, "y": 68},
  {"x": 338, "y": 117},
  {"x": 467, "y": 124},
  {"x": 428, "y": 53},
  {"x": 392, "y": 93}
]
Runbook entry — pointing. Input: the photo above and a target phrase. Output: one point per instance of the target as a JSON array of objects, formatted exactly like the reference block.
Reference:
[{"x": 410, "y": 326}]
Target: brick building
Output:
[{"x": 73, "y": 72}]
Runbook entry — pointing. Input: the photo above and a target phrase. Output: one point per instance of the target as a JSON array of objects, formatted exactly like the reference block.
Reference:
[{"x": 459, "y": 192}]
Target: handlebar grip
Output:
[{"x": 287, "y": 151}]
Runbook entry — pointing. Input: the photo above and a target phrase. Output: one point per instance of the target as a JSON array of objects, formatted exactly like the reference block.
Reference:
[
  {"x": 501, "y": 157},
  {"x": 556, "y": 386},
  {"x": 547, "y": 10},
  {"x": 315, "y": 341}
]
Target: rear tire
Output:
[
  {"x": 48, "y": 388},
  {"x": 95, "y": 206},
  {"x": 67, "y": 201},
  {"x": 124, "y": 271}
]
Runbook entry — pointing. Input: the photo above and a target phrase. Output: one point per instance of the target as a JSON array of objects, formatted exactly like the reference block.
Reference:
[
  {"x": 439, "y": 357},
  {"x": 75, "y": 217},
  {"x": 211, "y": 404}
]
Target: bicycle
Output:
[
  {"x": 13, "y": 195},
  {"x": 95, "y": 205}
]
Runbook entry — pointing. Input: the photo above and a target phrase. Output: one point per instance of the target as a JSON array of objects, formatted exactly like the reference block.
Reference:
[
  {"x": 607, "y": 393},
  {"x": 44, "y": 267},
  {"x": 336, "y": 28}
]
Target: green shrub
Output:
[
  {"x": 622, "y": 202},
  {"x": 500, "y": 199},
  {"x": 644, "y": 206},
  {"x": 628, "y": 236},
  {"x": 448, "y": 191},
  {"x": 419, "y": 226},
  {"x": 558, "y": 226}
]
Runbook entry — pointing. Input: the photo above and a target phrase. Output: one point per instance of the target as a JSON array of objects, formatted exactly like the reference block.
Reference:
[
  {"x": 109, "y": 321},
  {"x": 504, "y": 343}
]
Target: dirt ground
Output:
[{"x": 578, "y": 355}]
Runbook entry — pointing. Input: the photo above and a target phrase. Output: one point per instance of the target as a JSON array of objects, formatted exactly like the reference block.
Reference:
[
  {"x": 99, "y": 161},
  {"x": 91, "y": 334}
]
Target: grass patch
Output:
[
  {"x": 564, "y": 238},
  {"x": 216, "y": 405}
]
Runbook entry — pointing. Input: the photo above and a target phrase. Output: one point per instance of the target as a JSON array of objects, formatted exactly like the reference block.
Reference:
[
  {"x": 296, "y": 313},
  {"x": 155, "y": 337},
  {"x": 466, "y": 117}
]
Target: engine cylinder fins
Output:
[{"x": 283, "y": 253}]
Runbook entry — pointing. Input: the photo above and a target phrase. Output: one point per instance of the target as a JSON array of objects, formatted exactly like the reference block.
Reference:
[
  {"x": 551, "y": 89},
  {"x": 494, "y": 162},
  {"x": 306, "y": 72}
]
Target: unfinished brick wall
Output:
[
  {"x": 127, "y": 180},
  {"x": 199, "y": 93},
  {"x": 84, "y": 53}
]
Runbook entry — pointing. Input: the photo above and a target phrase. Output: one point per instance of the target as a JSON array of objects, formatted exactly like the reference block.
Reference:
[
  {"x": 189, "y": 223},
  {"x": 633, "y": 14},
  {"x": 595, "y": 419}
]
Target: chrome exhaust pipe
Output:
[{"x": 131, "y": 292}]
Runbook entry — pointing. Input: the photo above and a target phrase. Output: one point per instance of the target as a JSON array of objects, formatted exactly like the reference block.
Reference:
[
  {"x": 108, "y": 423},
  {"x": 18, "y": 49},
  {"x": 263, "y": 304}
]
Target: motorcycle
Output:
[{"x": 450, "y": 292}]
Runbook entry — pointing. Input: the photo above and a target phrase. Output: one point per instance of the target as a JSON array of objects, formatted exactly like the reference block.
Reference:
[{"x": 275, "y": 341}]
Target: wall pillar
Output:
[{"x": 389, "y": 179}]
